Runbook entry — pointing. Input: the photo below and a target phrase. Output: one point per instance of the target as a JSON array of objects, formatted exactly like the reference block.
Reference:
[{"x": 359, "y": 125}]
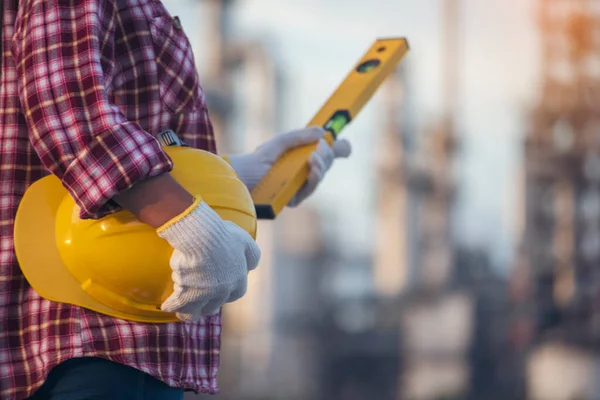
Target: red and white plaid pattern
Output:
[{"x": 85, "y": 86}]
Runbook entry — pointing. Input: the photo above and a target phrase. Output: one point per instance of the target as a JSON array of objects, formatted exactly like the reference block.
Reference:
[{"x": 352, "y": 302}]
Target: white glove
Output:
[
  {"x": 251, "y": 167},
  {"x": 210, "y": 261}
]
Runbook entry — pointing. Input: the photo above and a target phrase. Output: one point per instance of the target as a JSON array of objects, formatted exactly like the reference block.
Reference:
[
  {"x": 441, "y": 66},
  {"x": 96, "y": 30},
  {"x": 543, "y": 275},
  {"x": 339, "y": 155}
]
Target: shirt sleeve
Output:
[{"x": 62, "y": 51}]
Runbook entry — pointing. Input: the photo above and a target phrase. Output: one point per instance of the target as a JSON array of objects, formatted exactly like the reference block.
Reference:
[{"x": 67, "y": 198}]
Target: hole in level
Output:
[
  {"x": 382, "y": 48},
  {"x": 368, "y": 65}
]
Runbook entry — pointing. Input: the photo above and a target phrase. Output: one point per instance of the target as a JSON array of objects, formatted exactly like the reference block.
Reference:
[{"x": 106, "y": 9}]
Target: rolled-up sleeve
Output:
[{"x": 62, "y": 51}]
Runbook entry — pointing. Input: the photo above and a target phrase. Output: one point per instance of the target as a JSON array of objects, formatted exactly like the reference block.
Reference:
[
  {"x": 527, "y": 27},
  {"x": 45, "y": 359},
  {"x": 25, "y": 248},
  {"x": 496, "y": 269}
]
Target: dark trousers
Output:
[{"x": 99, "y": 379}]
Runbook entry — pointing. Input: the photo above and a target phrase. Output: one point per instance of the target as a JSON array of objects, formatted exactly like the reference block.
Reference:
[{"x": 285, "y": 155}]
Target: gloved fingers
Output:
[
  {"x": 182, "y": 302},
  {"x": 309, "y": 186},
  {"x": 253, "y": 255},
  {"x": 251, "y": 249},
  {"x": 187, "y": 317},
  {"x": 281, "y": 143},
  {"x": 300, "y": 137},
  {"x": 195, "y": 309},
  {"x": 320, "y": 160},
  {"x": 325, "y": 154},
  {"x": 196, "y": 316},
  {"x": 238, "y": 293},
  {"x": 174, "y": 302},
  {"x": 213, "y": 306},
  {"x": 342, "y": 148},
  {"x": 193, "y": 301}
]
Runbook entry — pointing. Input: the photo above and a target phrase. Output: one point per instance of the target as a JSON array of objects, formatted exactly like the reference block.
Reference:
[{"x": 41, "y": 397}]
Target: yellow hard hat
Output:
[{"x": 117, "y": 265}]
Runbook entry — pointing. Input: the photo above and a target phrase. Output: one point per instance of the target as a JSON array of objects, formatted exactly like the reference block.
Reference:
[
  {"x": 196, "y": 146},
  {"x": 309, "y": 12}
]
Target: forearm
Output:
[{"x": 156, "y": 200}]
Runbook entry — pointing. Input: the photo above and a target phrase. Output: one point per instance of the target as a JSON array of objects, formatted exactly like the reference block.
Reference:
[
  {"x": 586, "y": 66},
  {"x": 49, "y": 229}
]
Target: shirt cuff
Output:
[{"x": 111, "y": 163}]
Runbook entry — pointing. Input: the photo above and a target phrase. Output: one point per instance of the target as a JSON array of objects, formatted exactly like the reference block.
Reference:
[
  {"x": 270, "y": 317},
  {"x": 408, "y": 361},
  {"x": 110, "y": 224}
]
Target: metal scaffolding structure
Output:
[
  {"x": 556, "y": 284},
  {"x": 562, "y": 167}
]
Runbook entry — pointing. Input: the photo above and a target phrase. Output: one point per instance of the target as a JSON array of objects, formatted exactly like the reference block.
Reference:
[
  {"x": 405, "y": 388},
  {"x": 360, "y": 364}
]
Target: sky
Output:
[{"x": 316, "y": 42}]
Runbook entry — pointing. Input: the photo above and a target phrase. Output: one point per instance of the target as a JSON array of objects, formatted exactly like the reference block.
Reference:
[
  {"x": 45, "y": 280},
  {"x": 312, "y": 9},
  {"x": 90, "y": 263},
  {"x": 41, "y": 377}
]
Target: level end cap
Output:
[
  {"x": 264, "y": 211},
  {"x": 394, "y": 39}
]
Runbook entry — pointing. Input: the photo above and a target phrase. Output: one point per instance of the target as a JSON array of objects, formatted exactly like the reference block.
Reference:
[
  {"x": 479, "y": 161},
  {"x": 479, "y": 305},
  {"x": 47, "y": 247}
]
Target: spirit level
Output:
[{"x": 290, "y": 172}]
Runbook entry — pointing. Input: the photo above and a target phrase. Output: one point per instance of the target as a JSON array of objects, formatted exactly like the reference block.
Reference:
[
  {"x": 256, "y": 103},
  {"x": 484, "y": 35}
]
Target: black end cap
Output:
[{"x": 264, "y": 211}]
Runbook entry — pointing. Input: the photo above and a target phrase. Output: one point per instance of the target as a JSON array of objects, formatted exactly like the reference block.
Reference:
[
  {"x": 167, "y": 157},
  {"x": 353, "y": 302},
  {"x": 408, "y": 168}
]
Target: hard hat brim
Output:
[{"x": 39, "y": 258}]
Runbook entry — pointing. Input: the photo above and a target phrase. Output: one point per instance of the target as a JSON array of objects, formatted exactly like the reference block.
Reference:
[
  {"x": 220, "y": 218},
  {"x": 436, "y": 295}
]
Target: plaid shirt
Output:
[{"x": 85, "y": 86}]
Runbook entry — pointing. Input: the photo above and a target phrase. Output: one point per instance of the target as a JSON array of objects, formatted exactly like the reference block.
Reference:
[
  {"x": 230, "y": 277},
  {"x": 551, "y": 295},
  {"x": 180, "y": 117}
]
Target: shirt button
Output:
[{"x": 177, "y": 23}]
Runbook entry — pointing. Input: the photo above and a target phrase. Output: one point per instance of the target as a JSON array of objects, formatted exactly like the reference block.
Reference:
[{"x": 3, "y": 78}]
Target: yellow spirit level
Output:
[{"x": 289, "y": 173}]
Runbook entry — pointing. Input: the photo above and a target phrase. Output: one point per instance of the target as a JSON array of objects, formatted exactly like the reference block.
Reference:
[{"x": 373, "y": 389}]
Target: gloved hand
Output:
[
  {"x": 210, "y": 261},
  {"x": 251, "y": 167}
]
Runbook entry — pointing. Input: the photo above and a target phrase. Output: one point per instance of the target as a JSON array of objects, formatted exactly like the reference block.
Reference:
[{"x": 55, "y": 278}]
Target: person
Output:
[{"x": 86, "y": 86}]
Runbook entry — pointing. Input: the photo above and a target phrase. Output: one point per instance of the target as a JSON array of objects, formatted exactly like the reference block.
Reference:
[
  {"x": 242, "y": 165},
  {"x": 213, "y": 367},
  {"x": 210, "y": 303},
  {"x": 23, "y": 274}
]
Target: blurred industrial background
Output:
[{"x": 456, "y": 254}]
